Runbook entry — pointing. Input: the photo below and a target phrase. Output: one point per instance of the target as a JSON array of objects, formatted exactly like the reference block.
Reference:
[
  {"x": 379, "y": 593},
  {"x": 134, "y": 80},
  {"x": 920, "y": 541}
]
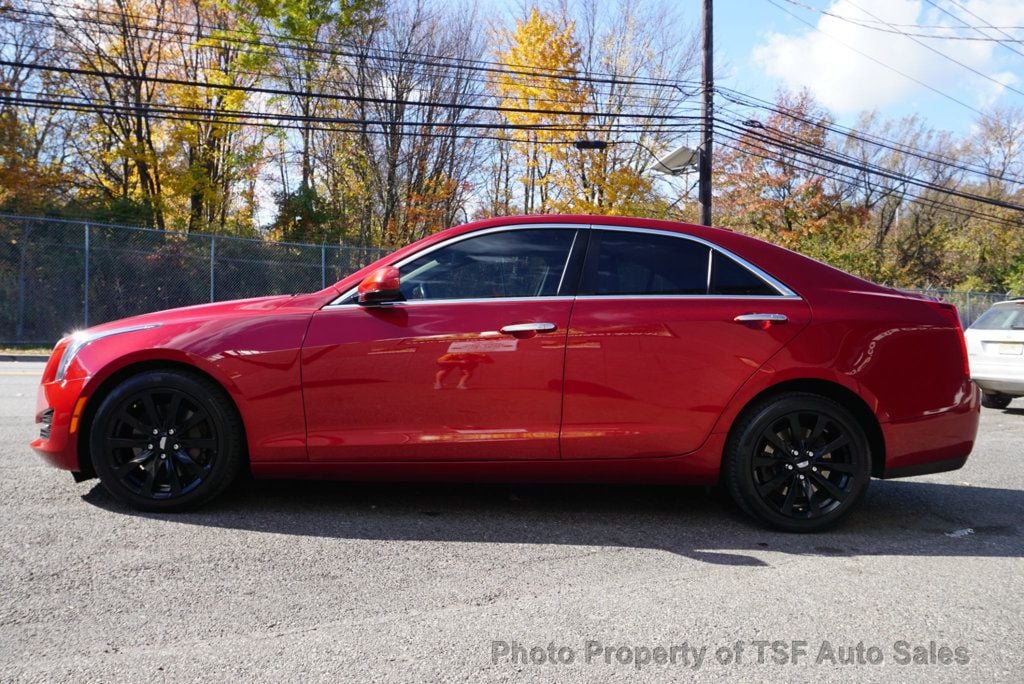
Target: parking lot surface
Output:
[{"x": 399, "y": 582}]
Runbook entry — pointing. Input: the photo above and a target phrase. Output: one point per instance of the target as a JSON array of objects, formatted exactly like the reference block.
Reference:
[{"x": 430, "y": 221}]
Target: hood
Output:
[{"x": 254, "y": 306}]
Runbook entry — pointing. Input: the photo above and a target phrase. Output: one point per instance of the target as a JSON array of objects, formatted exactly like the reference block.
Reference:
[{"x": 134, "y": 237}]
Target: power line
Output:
[
  {"x": 899, "y": 147},
  {"x": 898, "y": 28},
  {"x": 321, "y": 95},
  {"x": 943, "y": 54},
  {"x": 58, "y": 105},
  {"x": 984, "y": 23},
  {"x": 880, "y": 62},
  {"x": 242, "y": 117},
  {"x": 842, "y": 160},
  {"x": 403, "y": 56},
  {"x": 833, "y": 174},
  {"x": 193, "y": 40}
]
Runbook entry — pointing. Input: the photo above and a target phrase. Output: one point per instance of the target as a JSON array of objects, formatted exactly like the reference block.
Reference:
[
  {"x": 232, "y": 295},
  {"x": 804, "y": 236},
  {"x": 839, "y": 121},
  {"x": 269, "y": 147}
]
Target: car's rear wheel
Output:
[
  {"x": 166, "y": 440},
  {"x": 995, "y": 401},
  {"x": 797, "y": 461}
]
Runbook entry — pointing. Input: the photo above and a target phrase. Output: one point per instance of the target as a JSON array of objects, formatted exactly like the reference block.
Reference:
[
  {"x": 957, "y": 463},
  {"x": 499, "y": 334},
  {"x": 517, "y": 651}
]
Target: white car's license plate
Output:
[{"x": 1010, "y": 348}]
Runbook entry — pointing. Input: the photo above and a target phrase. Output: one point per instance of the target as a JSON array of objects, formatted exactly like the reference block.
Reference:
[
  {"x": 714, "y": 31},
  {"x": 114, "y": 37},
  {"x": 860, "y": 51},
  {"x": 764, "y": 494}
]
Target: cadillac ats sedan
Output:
[{"x": 557, "y": 348}]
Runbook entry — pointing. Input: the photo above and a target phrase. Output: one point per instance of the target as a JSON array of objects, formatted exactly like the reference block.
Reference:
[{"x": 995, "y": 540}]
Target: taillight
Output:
[{"x": 953, "y": 315}]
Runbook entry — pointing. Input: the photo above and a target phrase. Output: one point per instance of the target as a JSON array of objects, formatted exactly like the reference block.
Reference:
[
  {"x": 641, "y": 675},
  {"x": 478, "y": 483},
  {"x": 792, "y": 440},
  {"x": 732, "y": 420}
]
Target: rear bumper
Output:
[
  {"x": 1006, "y": 377},
  {"x": 936, "y": 442},
  {"x": 926, "y": 468}
]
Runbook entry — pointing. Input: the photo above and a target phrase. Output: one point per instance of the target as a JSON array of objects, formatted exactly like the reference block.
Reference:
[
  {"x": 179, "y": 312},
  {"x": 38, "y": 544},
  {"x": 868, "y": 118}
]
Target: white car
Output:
[{"x": 995, "y": 349}]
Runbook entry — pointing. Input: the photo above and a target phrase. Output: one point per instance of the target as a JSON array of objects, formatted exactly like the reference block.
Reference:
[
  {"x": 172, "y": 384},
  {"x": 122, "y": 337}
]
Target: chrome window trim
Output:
[
  {"x": 714, "y": 297},
  {"x": 340, "y": 301},
  {"x": 774, "y": 283},
  {"x": 784, "y": 291}
]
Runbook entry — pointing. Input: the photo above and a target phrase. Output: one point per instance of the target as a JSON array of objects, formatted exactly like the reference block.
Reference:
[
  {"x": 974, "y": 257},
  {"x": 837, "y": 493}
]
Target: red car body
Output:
[{"x": 628, "y": 388}]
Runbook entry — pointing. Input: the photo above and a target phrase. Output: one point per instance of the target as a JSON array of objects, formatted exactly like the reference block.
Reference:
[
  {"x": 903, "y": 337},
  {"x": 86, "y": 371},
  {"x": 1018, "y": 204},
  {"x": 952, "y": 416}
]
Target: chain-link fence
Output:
[{"x": 58, "y": 275}]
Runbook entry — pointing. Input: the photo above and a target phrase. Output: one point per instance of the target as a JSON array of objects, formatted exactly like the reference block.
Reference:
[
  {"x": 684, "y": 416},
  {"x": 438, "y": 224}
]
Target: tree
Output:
[
  {"x": 770, "y": 183},
  {"x": 32, "y": 171},
  {"x": 542, "y": 92}
]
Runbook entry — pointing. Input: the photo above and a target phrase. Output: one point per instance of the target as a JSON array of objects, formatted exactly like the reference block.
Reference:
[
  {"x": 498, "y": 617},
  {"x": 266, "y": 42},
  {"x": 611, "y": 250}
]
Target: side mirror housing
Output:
[{"x": 380, "y": 287}]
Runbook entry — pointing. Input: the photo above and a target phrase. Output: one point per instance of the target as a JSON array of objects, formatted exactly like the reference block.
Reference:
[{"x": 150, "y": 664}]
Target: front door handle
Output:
[
  {"x": 761, "y": 318},
  {"x": 528, "y": 329}
]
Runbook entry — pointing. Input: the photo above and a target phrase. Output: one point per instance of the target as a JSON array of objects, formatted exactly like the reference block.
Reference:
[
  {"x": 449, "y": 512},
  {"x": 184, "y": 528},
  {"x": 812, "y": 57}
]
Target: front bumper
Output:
[{"x": 59, "y": 407}]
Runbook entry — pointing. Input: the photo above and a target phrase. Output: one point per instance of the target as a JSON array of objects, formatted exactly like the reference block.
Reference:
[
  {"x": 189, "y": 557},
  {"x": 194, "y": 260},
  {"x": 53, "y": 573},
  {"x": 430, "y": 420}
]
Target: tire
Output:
[
  {"x": 995, "y": 401},
  {"x": 797, "y": 493},
  {"x": 166, "y": 441}
]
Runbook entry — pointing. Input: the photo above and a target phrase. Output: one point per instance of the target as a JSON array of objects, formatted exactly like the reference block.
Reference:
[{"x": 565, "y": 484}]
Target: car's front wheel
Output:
[
  {"x": 995, "y": 401},
  {"x": 166, "y": 440},
  {"x": 797, "y": 461}
]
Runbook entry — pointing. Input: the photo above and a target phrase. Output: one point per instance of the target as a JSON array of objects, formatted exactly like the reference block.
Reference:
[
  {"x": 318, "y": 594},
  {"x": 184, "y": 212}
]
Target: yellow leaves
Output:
[{"x": 542, "y": 57}]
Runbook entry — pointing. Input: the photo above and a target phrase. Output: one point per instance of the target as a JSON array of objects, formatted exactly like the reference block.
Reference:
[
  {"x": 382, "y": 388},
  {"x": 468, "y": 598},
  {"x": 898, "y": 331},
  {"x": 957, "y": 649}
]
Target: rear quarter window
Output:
[{"x": 730, "y": 278}]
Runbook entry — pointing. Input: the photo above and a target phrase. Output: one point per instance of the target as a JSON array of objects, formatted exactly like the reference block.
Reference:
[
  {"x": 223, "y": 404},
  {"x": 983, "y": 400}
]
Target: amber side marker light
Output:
[{"x": 77, "y": 413}]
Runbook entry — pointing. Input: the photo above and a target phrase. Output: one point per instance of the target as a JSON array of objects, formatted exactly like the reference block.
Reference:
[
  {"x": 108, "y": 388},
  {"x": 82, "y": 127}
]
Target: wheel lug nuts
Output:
[
  {"x": 175, "y": 447},
  {"x": 814, "y": 470},
  {"x": 171, "y": 431},
  {"x": 155, "y": 431},
  {"x": 789, "y": 466},
  {"x": 149, "y": 446},
  {"x": 163, "y": 457}
]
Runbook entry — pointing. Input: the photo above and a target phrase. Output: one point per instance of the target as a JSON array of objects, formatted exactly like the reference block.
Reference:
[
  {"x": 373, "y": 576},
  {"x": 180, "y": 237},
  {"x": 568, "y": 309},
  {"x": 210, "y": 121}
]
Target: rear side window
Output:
[
  {"x": 624, "y": 263},
  {"x": 730, "y": 278},
  {"x": 1006, "y": 317}
]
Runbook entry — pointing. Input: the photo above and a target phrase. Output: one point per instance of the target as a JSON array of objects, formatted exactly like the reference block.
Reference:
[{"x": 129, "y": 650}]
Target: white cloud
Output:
[{"x": 846, "y": 81}]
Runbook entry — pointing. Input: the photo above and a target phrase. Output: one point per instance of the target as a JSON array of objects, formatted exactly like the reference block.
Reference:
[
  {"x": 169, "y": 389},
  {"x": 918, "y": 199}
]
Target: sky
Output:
[{"x": 759, "y": 48}]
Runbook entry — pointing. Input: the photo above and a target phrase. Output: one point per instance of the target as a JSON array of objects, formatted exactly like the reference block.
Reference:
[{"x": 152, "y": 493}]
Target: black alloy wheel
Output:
[
  {"x": 166, "y": 440},
  {"x": 798, "y": 462}
]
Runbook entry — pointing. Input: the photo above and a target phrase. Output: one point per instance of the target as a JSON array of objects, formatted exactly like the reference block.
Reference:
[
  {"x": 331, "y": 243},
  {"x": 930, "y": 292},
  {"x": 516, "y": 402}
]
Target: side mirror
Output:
[{"x": 380, "y": 287}]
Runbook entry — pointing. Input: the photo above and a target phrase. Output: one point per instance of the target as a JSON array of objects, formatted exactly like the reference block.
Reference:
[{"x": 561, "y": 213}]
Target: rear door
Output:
[{"x": 664, "y": 331}]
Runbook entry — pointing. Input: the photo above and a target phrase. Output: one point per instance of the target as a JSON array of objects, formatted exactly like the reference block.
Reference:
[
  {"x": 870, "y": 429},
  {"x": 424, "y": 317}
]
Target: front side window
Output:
[
  {"x": 626, "y": 263},
  {"x": 513, "y": 263}
]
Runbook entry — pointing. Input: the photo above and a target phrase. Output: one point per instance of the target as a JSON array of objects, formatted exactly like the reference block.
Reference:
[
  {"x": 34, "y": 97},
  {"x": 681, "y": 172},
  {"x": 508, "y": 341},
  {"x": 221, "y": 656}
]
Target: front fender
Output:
[{"x": 254, "y": 358}]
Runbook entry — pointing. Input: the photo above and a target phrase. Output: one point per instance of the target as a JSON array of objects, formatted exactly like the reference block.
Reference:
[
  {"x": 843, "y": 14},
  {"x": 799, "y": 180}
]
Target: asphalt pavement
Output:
[{"x": 387, "y": 582}]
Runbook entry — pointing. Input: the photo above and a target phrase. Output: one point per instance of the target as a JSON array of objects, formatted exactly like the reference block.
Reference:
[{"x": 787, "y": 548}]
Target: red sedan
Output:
[{"x": 568, "y": 348}]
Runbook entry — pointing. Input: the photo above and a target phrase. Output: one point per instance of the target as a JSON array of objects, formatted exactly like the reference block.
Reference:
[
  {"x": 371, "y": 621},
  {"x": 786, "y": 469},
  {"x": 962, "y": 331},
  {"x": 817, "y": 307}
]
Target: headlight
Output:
[{"x": 80, "y": 339}]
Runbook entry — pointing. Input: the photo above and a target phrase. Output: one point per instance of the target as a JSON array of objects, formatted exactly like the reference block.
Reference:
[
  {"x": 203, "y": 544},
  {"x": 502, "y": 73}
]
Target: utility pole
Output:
[{"x": 707, "y": 114}]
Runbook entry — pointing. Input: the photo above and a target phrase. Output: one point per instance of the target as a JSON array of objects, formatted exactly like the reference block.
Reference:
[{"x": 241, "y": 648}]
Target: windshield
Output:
[{"x": 1002, "y": 317}]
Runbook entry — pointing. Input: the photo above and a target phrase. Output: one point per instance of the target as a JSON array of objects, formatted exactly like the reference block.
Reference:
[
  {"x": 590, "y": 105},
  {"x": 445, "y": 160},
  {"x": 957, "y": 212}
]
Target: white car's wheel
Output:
[{"x": 995, "y": 401}]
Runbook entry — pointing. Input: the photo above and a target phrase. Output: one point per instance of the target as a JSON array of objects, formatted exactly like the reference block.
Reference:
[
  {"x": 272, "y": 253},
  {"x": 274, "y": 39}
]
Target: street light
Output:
[{"x": 677, "y": 162}]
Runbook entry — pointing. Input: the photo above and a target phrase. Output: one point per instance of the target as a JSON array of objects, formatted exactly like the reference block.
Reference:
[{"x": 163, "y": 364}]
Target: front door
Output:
[{"x": 468, "y": 367}]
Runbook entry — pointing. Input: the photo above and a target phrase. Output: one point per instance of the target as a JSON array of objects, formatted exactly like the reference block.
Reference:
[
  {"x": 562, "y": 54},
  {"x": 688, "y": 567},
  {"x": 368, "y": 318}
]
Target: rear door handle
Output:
[
  {"x": 528, "y": 328},
  {"x": 760, "y": 317}
]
